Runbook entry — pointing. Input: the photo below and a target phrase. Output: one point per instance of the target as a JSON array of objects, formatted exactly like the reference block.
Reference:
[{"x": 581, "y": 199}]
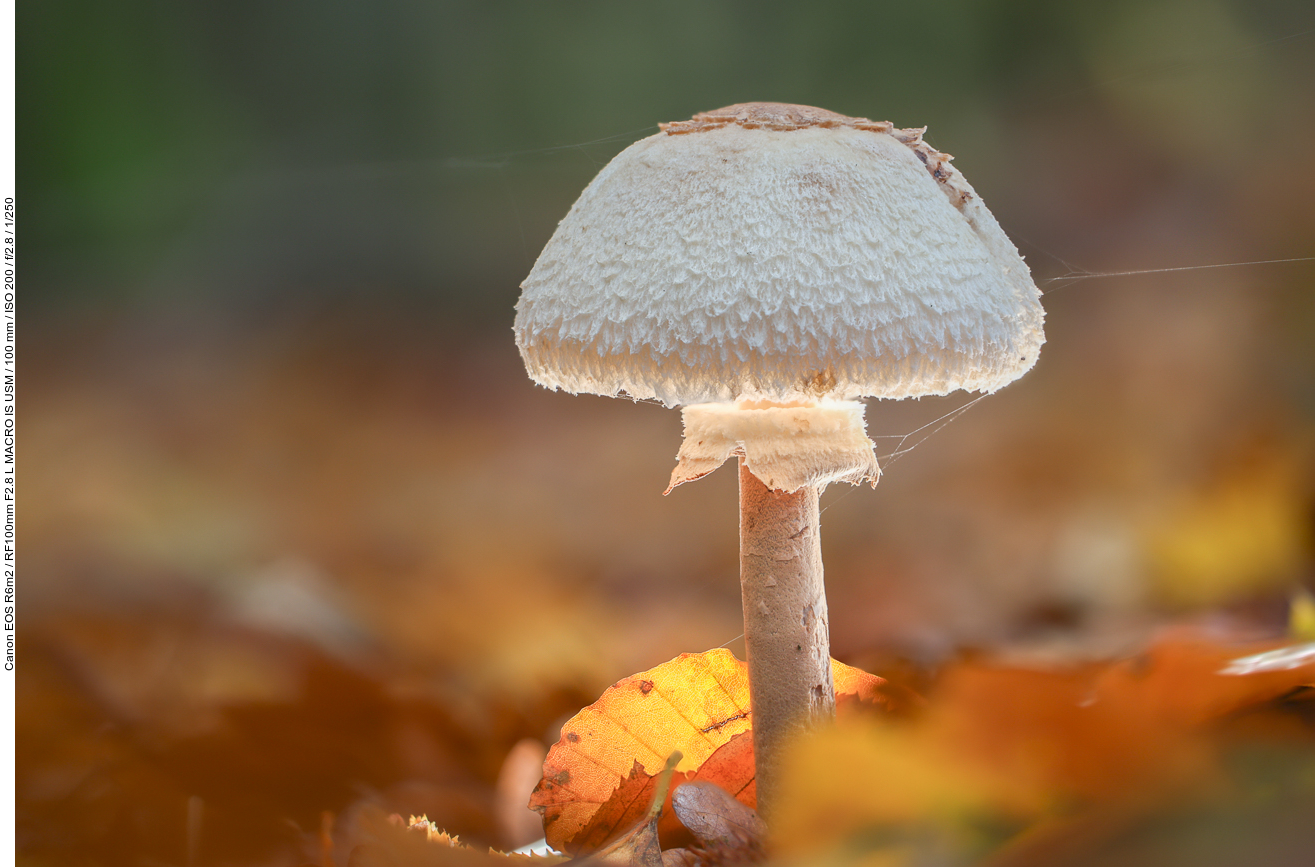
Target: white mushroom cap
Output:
[{"x": 777, "y": 252}]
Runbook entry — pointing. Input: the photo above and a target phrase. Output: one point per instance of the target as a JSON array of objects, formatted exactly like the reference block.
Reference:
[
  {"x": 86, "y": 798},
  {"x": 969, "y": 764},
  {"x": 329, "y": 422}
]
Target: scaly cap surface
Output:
[{"x": 775, "y": 252}]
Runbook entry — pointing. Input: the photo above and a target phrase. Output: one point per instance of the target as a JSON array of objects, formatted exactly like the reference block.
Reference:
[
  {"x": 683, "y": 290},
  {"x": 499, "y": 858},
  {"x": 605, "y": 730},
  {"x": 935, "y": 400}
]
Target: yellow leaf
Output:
[{"x": 694, "y": 704}]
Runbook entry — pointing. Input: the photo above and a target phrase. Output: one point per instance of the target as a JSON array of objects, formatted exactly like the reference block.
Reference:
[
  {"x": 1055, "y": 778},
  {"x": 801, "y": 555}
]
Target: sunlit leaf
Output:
[
  {"x": 693, "y": 704},
  {"x": 598, "y": 777},
  {"x": 639, "y": 847},
  {"x": 731, "y": 768},
  {"x": 627, "y": 805}
]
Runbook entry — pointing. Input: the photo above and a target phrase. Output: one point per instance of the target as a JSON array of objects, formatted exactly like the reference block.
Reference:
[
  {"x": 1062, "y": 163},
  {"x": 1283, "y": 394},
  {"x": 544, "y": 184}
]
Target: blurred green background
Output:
[{"x": 298, "y": 533}]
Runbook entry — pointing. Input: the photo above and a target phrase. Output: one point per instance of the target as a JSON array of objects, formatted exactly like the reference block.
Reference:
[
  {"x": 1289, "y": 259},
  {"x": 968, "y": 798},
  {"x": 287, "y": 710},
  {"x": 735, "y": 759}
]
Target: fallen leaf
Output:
[
  {"x": 1005, "y": 750},
  {"x": 599, "y": 775},
  {"x": 731, "y": 768},
  {"x": 693, "y": 704},
  {"x": 679, "y": 858},
  {"x": 856, "y": 688},
  {"x": 626, "y": 806},
  {"x": 639, "y": 847},
  {"x": 1187, "y": 678},
  {"x": 714, "y": 817}
]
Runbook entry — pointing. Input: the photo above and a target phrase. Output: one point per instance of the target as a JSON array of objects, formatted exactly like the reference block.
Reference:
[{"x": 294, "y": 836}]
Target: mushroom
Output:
[{"x": 763, "y": 266}]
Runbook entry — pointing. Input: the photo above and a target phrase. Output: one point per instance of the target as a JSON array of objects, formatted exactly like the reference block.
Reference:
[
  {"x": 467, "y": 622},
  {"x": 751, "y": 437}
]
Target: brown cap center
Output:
[
  {"x": 776, "y": 116},
  {"x": 784, "y": 117}
]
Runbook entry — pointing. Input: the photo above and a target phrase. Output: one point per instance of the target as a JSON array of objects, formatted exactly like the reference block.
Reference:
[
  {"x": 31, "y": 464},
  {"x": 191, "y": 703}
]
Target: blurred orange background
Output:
[{"x": 297, "y": 533}]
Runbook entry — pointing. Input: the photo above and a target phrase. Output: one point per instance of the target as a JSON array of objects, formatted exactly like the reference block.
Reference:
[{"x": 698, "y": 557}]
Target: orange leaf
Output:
[
  {"x": 694, "y": 704},
  {"x": 1099, "y": 731},
  {"x": 598, "y": 778},
  {"x": 856, "y": 687},
  {"x": 1189, "y": 678},
  {"x": 1095, "y": 747},
  {"x": 627, "y": 806},
  {"x": 731, "y": 767}
]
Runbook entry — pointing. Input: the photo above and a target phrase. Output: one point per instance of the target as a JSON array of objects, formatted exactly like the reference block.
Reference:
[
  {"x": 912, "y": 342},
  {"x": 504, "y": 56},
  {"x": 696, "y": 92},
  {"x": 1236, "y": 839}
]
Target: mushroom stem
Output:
[{"x": 785, "y": 622}]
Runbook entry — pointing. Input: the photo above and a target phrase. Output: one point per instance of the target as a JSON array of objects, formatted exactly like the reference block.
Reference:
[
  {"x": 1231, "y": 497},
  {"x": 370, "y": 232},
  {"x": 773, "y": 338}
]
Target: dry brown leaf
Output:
[
  {"x": 598, "y": 777},
  {"x": 714, "y": 817},
  {"x": 679, "y": 858},
  {"x": 638, "y": 848}
]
